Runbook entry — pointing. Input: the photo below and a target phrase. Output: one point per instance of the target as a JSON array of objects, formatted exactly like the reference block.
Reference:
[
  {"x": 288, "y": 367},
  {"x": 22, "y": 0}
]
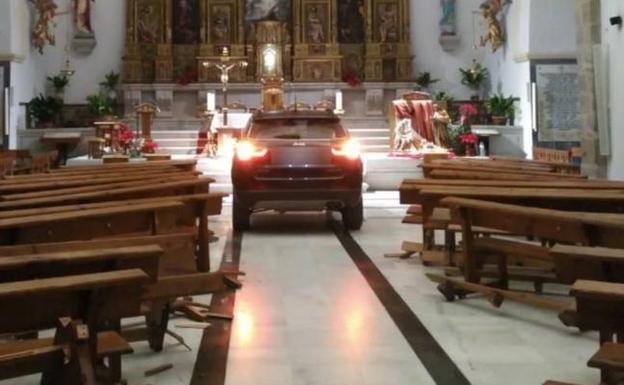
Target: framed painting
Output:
[
  {"x": 260, "y": 10},
  {"x": 351, "y": 27},
  {"x": 186, "y": 22}
]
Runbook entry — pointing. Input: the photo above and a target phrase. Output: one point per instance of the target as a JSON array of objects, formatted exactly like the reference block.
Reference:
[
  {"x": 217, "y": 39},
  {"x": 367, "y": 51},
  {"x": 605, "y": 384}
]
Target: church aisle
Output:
[
  {"x": 307, "y": 316},
  {"x": 522, "y": 344}
]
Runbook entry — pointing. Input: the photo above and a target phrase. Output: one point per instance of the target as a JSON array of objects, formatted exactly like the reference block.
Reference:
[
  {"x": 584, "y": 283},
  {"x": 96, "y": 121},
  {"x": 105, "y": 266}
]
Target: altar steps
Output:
[{"x": 371, "y": 132}]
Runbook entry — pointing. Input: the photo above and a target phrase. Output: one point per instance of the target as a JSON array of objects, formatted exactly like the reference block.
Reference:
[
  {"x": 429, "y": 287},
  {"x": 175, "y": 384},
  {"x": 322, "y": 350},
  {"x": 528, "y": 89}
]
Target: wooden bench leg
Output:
[
  {"x": 80, "y": 369},
  {"x": 157, "y": 322},
  {"x": 503, "y": 274},
  {"x": 450, "y": 246}
]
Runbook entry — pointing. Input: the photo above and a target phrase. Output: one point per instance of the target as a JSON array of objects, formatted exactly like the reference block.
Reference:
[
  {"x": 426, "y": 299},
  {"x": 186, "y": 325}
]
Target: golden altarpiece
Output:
[{"x": 167, "y": 41}]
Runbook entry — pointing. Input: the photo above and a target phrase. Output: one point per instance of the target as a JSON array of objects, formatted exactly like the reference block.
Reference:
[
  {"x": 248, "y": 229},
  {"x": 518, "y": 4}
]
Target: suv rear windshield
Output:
[{"x": 296, "y": 129}]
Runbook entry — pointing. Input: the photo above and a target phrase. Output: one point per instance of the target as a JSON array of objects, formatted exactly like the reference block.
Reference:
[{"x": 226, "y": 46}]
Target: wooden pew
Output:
[
  {"x": 112, "y": 186},
  {"x": 472, "y": 174},
  {"x": 590, "y": 229},
  {"x": 188, "y": 213},
  {"x": 25, "y": 185},
  {"x": 70, "y": 358},
  {"x": 148, "y": 190},
  {"x": 459, "y": 169},
  {"x": 178, "y": 225},
  {"x": 429, "y": 197},
  {"x": 569, "y": 168}
]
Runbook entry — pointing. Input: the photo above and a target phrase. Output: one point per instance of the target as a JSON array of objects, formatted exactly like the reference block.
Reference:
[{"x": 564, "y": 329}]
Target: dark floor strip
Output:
[
  {"x": 211, "y": 363},
  {"x": 439, "y": 365}
]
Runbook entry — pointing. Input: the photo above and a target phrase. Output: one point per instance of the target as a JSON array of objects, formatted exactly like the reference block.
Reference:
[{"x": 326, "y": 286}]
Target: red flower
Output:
[
  {"x": 149, "y": 147},
  {"x": 469, "y": 138},
  {"x": 352, "y": 80},
  {"x": 468, "y": 110}
]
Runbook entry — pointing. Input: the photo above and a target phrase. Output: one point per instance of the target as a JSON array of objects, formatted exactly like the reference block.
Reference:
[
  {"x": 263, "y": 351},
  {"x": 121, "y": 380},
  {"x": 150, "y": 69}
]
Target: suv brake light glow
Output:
[
  {"x": 349, "y": 149},
  {"x": 246, "y": 151}
]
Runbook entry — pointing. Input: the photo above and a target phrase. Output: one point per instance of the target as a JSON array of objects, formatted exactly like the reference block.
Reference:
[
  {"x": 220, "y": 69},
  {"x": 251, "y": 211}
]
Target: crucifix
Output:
[{"x": 225, "y": 67}]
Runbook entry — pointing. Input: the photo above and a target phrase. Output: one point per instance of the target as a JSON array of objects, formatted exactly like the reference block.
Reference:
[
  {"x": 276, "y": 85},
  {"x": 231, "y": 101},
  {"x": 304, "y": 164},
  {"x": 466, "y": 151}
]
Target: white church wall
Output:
[
  {"x": 429, "y": 55},
  {"x": 510, "y": 74},
  {"x": 108, "y": 20},
  {"x": 552, "y": 29},
  {"x": 27, "y": 70},
  {"x": 613, "y": 37}
]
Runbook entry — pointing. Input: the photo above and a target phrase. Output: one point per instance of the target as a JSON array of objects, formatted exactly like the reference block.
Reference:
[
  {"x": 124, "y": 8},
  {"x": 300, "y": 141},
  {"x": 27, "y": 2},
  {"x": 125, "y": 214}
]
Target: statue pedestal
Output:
[
  {"x": 449, "y": 42},
  {"x": 84, "y": 43}
]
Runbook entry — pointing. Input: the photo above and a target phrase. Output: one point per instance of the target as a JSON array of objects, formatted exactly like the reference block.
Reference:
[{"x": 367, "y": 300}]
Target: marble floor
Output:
[{"x": 307, "y": 316}]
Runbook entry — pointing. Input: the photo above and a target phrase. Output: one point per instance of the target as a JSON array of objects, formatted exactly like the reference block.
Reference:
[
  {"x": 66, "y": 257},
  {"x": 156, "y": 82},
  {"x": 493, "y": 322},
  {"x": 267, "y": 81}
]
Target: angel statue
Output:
[
  {"x": 42, "y": 33},
  {"x": 494, "y": 35}
]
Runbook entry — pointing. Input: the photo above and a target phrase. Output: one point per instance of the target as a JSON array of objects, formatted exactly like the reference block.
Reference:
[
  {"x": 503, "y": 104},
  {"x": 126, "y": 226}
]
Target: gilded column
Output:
[
  {"x": 164, "y": 49},
  {"x": 132, "y": 58}
]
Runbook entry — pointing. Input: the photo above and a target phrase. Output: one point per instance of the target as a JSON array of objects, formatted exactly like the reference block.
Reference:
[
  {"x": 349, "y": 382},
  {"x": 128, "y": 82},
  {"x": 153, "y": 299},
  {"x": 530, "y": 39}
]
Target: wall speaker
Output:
[{"x": 616, "y": 20}]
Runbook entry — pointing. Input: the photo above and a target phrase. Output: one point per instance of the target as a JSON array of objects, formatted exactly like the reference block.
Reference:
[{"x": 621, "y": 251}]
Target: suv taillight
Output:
[
  {"x": 246, "y": 151},
  {"x": 349, "y": 149}
]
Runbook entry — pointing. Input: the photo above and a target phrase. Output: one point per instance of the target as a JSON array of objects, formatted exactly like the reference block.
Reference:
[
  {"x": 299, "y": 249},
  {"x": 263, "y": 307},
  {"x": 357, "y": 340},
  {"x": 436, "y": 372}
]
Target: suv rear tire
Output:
[
  {"x": 240, "y": 215},
  {"x": 353, "y": 216}
]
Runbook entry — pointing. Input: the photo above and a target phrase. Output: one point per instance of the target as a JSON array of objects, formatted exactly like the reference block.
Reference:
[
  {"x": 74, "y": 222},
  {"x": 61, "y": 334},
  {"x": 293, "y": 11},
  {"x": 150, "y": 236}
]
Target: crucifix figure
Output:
[{"x": 225, "y": 67}]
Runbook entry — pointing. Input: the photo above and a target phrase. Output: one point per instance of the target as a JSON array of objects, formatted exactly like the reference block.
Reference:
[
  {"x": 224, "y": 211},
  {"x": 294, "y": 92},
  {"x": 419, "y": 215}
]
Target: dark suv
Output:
[{"x": 297, "y": 160}]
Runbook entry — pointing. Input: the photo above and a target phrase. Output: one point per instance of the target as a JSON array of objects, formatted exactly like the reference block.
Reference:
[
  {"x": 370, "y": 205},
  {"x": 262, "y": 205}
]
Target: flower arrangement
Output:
[
  {"x": 149, "y": 147},
  {"x": 468, "y": 138},
  {"x": 462, "y": 139},
  {"x": 474, "y": 76},
  {"x": 133, "y": 145},
  {"x": 352, "y": 79},
  {"x": 467, "y": 111}
]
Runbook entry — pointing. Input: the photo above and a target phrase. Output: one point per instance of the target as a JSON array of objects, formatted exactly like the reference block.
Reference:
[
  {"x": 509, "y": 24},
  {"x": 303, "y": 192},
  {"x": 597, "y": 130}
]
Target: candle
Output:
[
  {"x": 339, "y": 100},
  {"x": 211, "y": 103}
]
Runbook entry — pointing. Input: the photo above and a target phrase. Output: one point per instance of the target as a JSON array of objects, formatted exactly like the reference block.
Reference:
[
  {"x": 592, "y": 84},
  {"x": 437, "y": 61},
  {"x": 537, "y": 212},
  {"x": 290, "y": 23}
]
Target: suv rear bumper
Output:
[{"x": 347, "y": 197}]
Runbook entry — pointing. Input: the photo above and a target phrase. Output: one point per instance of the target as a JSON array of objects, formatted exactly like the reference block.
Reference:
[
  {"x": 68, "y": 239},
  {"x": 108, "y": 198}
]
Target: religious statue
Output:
[
  {"x": 42, "y": 33},
  {"x": 351, "y": 21},
  {"x": 388, "y": 24},
  {"x": 494, "y": 34},
  {"x": 220, "y": 29},
  {"x": 406, "y": 138},
  {"x": 83, "y": 16},
  {"x": 447, "y": 23},
  {"x": 186, "y": 31},
  {"x": 148, "y": 25},
  {"x": 315, "y": 27},
  {"x": 441, "y": 120}
]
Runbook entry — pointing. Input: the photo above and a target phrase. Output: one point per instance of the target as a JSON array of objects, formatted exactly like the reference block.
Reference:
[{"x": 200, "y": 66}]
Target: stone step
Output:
[
  {"x": 168, "y": 134},
  {"x": 183, "y": 150}
]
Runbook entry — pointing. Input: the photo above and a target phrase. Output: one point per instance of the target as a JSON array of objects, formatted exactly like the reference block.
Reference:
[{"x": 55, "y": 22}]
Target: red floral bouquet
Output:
[
  {"x": 125, "y": 136},
  {"x": 149, "y": 147},
  {"x": 469, "y": 138},
  {"x": 467, "y": 111},
  {"x": 352, "y": 80}
]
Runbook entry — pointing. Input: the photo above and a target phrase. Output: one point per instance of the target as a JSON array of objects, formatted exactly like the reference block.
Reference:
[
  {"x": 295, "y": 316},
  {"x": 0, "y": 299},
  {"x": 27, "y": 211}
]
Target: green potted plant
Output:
[
  {"x": 101, "y": 105},
  {"x": 444, "y": 100},
  {"x": 501, "y": 107},
  {"x": 110, "y": 83},
  {"x": 44, "y": 110},
  {"x": 424, "y": 80},
  {"x": 59, "y": 82},
  {"x": 474, "y": 77}
]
